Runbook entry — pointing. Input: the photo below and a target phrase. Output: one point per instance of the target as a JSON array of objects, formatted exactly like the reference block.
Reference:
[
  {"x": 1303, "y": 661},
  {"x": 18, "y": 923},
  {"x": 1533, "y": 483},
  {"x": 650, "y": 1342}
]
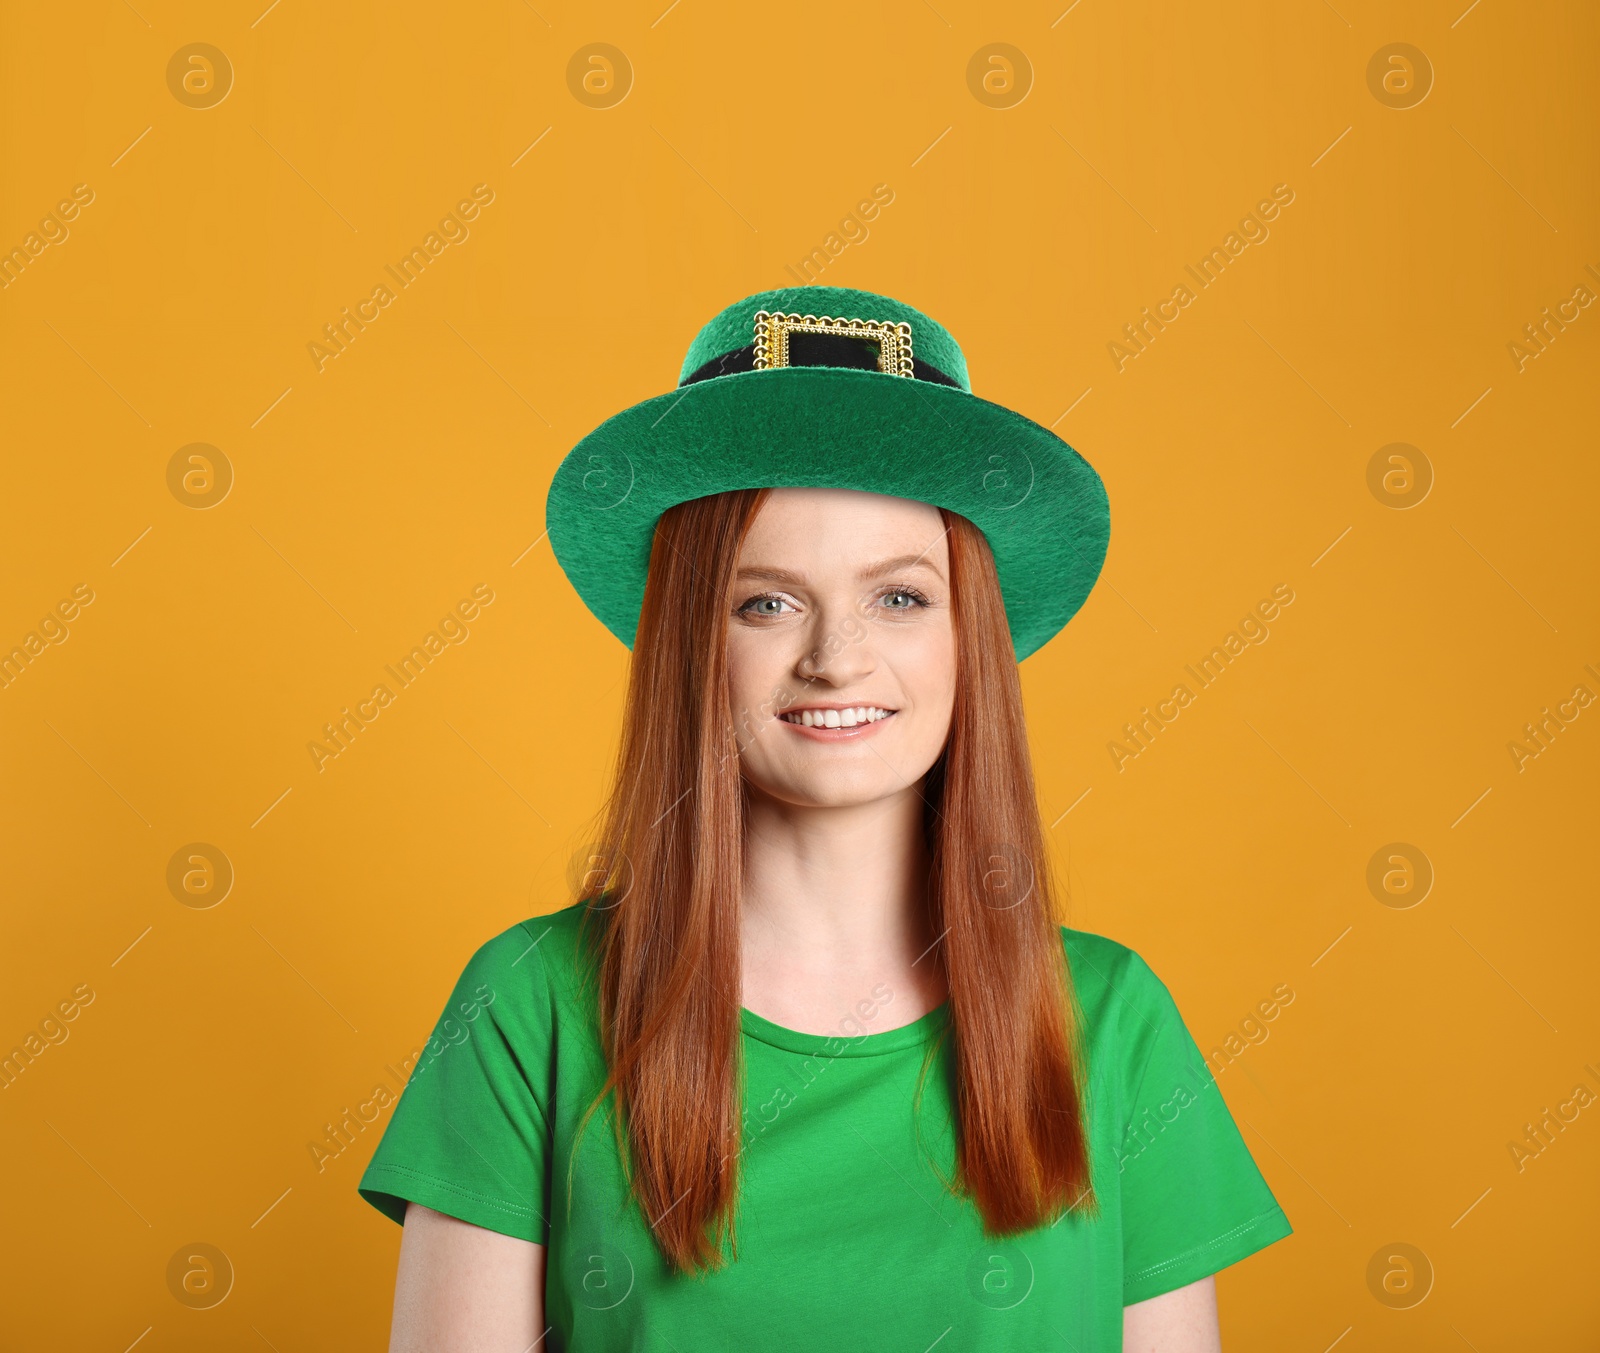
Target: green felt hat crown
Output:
[{"x": 831, "y": 387}]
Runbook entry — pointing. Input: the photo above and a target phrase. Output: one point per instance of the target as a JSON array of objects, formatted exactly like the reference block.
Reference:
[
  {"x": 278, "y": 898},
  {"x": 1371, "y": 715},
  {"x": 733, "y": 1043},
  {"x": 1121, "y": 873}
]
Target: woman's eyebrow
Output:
[
  {"x": 900, "y": 563},
  {"x": 874, "y": 570}
]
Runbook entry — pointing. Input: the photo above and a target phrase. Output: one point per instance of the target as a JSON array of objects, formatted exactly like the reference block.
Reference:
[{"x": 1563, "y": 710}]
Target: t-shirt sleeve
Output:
[
  {"x": 1193, "y": 1200},
  {"x": 470, "y": 1136}
]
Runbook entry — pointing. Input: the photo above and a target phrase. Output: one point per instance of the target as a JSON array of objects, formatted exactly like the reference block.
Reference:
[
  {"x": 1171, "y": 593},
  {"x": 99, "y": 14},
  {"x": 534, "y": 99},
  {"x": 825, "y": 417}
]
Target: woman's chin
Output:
[{"x": 832, "y": 788}]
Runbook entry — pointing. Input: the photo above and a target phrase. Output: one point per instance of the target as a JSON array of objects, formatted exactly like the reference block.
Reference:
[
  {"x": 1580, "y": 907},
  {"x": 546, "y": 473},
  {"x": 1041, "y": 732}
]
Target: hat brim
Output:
[{"x": 1040, "y": 504}]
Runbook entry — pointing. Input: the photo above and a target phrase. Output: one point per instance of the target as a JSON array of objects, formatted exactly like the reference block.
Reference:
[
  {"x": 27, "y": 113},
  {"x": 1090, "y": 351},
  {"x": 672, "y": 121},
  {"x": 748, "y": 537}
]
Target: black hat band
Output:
[{"x": 806, "y": 349}]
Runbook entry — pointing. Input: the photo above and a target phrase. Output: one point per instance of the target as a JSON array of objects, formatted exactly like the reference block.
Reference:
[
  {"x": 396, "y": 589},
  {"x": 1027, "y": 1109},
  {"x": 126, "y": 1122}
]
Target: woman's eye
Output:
[
  {"x": 772, "y": 606},
  {"x": 763, "y": 606}
]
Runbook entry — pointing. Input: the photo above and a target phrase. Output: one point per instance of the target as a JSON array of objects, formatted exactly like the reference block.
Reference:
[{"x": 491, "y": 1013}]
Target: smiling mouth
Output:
[{"x": 849, "y": 717}]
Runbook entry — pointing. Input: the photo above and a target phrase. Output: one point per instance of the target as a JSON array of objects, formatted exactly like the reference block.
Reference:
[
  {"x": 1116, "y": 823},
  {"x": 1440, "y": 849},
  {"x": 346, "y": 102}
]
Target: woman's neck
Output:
[{"x": 836, "y": 933}]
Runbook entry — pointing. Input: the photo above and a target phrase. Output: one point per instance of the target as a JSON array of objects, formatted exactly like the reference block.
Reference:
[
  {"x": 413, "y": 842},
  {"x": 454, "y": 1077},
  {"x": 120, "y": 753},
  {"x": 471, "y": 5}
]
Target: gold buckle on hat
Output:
[{"x": 772, "y": 339}]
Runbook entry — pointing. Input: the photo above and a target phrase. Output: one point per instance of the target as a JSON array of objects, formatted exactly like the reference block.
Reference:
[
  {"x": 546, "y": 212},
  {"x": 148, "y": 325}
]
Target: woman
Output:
[{"x": 811, "y": 1063}]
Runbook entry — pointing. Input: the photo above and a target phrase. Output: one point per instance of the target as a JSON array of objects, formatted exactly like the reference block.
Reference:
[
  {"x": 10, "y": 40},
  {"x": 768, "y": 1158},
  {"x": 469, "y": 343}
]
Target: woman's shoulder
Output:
[
  {"x": 1101, "y": 955},
  {"x": 549, "y": 950},
  {"x": 1111, "y": 981}
]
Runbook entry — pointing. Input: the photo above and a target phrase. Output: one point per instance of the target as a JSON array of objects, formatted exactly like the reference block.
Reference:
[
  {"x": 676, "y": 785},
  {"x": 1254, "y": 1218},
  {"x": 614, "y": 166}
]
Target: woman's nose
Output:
[{"x": 838, "y": 648}]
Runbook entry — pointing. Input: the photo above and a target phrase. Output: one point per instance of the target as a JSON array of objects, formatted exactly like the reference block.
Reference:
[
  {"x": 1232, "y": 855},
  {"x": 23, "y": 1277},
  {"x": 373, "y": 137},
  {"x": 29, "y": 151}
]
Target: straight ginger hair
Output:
[{"x": 663, "y": 912}]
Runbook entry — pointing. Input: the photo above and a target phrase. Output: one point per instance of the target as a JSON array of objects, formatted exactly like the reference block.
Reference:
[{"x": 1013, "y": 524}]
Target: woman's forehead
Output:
[
  {"x": 805, "y": 535},
  {"x": 843, "y": 518}
]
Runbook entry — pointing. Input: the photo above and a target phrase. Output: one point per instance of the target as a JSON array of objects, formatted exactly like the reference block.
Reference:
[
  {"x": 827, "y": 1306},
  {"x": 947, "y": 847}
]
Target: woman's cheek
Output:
[{"x": 925, "y": 665}]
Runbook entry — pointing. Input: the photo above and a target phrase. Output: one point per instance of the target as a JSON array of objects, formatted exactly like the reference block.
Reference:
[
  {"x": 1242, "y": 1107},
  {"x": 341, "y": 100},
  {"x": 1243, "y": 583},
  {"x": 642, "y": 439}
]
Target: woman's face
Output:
[{"x": 841, "y": 646}]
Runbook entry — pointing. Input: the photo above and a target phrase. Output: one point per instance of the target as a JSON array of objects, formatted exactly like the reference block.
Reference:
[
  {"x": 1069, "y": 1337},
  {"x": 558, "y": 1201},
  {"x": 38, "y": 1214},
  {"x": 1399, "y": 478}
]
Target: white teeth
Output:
[{"x": 836, "y": 718}]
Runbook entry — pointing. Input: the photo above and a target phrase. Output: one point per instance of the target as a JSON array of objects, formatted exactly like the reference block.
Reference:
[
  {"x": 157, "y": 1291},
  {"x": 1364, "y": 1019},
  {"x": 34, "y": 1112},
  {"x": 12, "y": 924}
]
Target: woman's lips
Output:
[{"x": 837, "y": 734}]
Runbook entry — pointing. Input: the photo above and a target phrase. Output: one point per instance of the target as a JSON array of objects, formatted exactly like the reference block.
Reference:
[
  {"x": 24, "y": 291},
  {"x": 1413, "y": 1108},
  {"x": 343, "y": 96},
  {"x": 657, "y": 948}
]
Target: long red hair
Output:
[{"x": 665, "y": 905}]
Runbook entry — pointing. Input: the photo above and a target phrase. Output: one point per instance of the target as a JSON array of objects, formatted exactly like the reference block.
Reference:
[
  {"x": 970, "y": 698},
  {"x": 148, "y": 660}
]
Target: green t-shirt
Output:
[{"x": 848, "y": 1237}]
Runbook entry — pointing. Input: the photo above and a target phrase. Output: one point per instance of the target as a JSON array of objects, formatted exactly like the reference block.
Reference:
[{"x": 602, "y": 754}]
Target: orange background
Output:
[{"x": 371, "y": 496}]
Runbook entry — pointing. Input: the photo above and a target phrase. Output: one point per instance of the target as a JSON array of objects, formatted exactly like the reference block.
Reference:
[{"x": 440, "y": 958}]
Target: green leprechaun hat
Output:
[{"x": 832, "y": 387}]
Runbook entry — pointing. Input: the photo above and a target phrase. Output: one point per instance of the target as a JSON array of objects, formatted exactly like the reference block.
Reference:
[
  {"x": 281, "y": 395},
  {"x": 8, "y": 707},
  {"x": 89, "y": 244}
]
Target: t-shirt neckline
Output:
[{"x": 910, "y": 1035}]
